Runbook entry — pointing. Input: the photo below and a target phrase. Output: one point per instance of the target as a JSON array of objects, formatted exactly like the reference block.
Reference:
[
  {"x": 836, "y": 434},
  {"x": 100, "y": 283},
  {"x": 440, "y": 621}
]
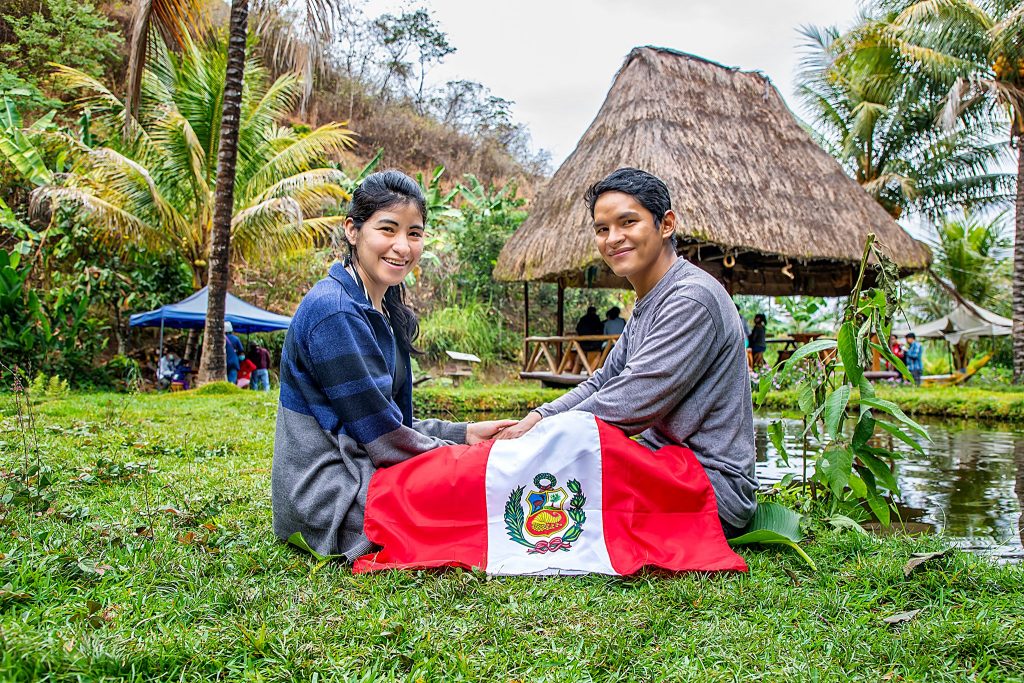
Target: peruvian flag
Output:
[{"x": 572, "y": 496}]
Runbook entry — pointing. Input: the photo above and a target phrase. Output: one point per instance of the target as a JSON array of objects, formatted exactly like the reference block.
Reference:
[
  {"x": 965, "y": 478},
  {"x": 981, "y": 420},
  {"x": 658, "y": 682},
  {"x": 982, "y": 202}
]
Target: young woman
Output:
[{"x": 346, "y": 383}]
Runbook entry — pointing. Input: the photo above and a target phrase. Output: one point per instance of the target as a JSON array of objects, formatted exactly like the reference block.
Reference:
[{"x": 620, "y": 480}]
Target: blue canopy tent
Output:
[{"x": 190, "y": 313}]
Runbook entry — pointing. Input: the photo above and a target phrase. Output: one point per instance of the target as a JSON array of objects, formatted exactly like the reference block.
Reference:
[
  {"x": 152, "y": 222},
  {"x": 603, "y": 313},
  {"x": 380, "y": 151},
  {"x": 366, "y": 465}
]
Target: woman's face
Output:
[{"x": 388, "y": 246}]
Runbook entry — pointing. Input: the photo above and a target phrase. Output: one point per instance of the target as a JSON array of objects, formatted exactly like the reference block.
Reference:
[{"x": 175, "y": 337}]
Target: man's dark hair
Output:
[
  {"x": 760, "y": 316},
  {"x": 613, "y": 312},
  {"x": 649, "y": 190},
  {"x": 911, "y": 335},
  {"x": 591, "y": 310}
]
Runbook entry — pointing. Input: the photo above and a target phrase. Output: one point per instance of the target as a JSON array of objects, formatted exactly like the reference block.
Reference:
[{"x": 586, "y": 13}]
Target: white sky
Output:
[{"x": 556, "y": 58}]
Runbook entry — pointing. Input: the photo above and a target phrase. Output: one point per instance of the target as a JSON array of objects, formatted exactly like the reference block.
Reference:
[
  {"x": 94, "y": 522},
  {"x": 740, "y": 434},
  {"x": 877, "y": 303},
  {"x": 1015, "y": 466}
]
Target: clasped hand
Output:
[{"x": 481, "y": 431}]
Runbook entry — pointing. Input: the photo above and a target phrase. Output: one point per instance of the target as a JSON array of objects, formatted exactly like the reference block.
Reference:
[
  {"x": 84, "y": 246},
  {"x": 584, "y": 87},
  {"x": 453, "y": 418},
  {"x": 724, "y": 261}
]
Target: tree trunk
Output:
[
  {"x": 212, "y": 365},
  {"x": 1018, "y": 268}
]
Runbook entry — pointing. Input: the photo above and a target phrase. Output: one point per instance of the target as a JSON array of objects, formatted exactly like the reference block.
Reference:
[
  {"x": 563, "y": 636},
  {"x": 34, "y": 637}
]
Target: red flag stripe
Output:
[
  {"x": 429, "y": 511},
  {"x": 660, "y": 509}
]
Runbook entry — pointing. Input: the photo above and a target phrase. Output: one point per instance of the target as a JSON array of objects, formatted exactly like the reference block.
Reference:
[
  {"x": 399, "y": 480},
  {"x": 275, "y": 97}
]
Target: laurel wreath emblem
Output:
[{"x": 515, "y": 517}]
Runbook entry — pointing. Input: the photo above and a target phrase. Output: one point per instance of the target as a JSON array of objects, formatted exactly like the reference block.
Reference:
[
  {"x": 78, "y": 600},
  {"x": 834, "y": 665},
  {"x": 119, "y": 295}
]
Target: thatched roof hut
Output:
[{"x": 762, "y": 206}]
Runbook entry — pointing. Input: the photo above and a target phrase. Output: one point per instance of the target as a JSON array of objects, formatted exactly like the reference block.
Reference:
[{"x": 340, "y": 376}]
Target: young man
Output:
[
  {"x": 913, "y": 358},
  {"x": 678, "y": 374}
]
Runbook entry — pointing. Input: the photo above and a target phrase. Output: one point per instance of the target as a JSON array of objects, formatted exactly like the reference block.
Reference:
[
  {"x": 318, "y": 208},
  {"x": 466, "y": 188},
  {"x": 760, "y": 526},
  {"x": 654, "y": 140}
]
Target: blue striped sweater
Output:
[{"x": 337, "y": 420}]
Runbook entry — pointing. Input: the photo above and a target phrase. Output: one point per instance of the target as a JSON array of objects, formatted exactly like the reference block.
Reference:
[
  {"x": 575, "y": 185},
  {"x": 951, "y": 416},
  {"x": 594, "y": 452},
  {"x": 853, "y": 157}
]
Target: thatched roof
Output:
[{"x": 746, "y": 180}]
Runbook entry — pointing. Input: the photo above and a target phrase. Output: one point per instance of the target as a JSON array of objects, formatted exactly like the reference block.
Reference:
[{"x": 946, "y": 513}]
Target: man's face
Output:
[
  {"x": 910, "y": 340},
  {"x": 626, "y": 234}
]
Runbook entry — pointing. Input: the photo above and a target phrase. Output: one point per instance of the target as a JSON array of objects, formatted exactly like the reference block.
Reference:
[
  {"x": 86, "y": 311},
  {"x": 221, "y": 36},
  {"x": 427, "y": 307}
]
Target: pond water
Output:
[{"x": 968, "y": 485}]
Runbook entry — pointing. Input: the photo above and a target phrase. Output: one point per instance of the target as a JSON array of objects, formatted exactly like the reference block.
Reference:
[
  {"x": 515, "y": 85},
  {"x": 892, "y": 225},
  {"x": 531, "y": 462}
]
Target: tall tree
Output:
[
  {"x": 976, "y": 50},
  {"x": 212, "y": 363},
  {"x": 157, "y": 189},
  {"x": 878, "y": 119}
]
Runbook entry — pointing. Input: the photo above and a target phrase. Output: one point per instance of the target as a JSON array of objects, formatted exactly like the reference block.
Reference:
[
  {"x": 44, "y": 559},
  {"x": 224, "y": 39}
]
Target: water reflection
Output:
[{"x": 969, "y": 483}]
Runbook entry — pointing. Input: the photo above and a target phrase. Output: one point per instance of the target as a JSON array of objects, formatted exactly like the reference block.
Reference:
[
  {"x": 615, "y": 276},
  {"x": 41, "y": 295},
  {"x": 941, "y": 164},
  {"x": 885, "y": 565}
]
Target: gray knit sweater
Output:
[{"x": 678, "y": 375}]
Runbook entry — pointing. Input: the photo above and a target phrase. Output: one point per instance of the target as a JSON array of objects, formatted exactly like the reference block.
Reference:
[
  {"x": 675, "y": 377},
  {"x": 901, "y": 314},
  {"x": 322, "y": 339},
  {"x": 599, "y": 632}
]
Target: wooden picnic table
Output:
[{"x": 555, "y": 356}]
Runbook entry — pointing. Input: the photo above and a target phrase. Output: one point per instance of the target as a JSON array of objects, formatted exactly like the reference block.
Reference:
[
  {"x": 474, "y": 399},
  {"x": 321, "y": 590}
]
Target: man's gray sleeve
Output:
[{"x": 668, "y": 363}]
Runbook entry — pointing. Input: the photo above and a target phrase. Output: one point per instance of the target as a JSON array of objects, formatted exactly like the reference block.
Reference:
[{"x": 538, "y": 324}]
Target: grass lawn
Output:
[{"x": 152, "y": 558}]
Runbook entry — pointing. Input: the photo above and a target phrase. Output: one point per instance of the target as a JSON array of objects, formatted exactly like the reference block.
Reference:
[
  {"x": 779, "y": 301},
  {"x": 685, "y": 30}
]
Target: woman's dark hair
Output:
[
  {"x": 760, "y": 317},
  {"x": 377, "y": 192}
]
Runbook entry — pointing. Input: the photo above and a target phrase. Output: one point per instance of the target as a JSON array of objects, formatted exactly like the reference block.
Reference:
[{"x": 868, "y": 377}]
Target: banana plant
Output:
[{"x": 18, "y": 144}]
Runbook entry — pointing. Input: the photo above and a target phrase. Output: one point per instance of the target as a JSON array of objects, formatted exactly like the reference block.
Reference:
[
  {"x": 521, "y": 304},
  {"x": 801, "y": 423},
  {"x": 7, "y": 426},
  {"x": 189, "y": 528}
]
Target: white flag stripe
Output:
[{"x": 566, "y": 447}]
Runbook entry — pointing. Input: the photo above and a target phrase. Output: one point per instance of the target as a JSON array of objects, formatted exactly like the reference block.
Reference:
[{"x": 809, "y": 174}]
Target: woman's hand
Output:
[
  {"x": 524, "y": 425},
  {"x": 481, "y": 431}
]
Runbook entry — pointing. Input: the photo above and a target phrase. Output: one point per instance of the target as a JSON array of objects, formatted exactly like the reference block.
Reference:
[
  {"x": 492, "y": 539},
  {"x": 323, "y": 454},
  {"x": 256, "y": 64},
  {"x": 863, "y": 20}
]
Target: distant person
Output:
[
  {"x": 261, "y": 375},
  {"x": 913, "y": 357},
  {"x": 245, "y": 370},
  {"x": 896, "y": 348},
  {"x": 165, "y": 369},
  {"x": 590, "y": 323},
  {"x": 233, "y": 352},
  {"x": 613, "y": 324},
  {"x": 757, "y": 341},
  {"x": 747, "y": 328}
]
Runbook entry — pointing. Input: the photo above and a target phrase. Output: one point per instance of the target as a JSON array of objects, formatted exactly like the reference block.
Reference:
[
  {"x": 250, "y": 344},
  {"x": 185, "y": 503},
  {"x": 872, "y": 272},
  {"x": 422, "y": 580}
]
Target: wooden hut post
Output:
[
  {"x": 561, "y": 308},
  {"x": 526, "y": 308}
]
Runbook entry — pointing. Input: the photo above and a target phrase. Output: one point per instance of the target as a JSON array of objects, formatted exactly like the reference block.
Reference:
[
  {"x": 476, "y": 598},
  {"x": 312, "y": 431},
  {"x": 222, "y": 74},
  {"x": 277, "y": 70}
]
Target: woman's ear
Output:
[{"x": 350, "y": 231}]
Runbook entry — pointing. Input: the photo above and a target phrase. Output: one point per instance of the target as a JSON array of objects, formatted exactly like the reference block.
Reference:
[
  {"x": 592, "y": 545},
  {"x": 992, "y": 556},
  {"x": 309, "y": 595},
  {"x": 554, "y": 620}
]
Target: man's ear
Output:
[{"x": 668, "y": 224}]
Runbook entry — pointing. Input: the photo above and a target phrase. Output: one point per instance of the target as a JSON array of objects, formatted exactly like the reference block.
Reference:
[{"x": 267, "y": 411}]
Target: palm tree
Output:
[
  {"x": 878, "y": 120},
  {"x": 975, "y": 50},
  {"x": 157, "y": 188},
  {"x": 970, "y": 256},
  {"x": 176, "y": 18}
]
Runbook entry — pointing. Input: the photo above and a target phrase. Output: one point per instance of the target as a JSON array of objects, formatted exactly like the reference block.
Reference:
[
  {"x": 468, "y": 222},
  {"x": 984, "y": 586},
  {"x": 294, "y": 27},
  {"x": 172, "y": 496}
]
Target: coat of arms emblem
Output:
[{"x": 547, "y": 526}]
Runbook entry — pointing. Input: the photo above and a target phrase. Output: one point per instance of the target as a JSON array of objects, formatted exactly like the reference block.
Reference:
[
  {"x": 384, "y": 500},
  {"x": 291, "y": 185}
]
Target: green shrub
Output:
[
  {"x": 52, "y": 386},
  {"x": 470, "y": 328},
  {"x": 218, "y": 389}
]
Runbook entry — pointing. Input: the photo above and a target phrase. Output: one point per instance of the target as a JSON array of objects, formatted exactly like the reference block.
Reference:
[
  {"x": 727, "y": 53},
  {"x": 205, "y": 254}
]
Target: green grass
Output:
[
  {"x": 155, "y": 560},
  {"x": 1004, "y": 403}
]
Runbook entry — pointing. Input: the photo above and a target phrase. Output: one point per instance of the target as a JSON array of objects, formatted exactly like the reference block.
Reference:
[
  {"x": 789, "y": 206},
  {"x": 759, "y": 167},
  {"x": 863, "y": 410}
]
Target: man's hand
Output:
[
  {"x": 525, "y": 425},
  {"x": 481, "y": 431}
]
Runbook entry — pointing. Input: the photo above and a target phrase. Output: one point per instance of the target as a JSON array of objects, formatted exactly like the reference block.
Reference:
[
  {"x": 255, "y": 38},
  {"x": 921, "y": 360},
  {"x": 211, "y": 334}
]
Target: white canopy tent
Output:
[{"x": 966, "y": 321}]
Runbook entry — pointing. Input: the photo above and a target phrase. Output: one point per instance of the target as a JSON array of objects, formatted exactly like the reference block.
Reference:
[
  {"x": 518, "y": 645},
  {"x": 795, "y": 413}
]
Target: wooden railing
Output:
[{"x": 562, "y": 355}]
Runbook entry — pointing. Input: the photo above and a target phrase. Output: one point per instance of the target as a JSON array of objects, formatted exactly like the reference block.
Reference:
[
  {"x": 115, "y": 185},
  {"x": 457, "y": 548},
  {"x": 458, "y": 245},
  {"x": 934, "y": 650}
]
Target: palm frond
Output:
[
  {"x": 175, "y": 19},
  {"x": 325, "y": 141}
]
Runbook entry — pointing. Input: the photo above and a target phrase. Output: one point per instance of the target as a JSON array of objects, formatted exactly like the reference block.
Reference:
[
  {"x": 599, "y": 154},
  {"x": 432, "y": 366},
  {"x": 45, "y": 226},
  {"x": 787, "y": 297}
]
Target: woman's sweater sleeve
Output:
[{"x": 354, "y": 377}]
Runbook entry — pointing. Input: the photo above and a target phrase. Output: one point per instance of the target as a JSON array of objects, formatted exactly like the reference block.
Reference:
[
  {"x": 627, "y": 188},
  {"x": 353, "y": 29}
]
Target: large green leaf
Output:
[
  {"x": 894, "y": 410},
  {"x": 878, "y": 504},
  {"x": 864, "y": 431},
  {"x": 835, "y": 410},
  {"x": 901, "y": 435},
  {"x": 880, "y": 470},
  {"x": 774, "y": 524},
  {"x": 806, "y": 350},
  {"x": 776, "y": 433},
  {"x": 834, "y": 465},
  {"x": 847, "y": 342}
]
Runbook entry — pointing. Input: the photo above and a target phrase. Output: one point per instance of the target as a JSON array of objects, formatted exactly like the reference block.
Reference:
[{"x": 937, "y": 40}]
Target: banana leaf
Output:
[{"x": 774, "y": 524}]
